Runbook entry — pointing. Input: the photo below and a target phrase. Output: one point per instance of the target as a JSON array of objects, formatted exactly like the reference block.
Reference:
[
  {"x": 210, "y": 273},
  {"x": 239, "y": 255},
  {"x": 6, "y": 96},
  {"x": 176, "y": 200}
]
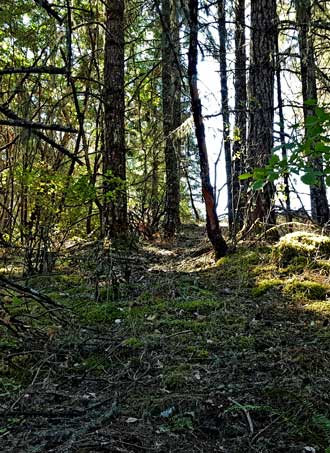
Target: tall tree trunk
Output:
[
  {"x": 212, "y": 222},
  {"x": 261, "y": 103},
  {"x": 319, "y": 202},
  {"x": 288, "y": 213},
  {"x": 225, "y": 107},
  {"x": 114, "y": 157},
  {"x": 239, "y": 145},
  {"x": 171, "y": 112}
]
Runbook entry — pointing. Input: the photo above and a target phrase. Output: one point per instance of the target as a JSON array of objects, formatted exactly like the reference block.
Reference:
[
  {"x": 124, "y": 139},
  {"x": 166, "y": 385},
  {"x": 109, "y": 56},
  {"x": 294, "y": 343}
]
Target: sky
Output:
[{"x": 209, "y": 87}]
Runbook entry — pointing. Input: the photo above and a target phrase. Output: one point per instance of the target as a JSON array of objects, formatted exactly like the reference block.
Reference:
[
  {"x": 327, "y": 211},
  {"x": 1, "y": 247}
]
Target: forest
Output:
[{"x": 164, "y": 226}]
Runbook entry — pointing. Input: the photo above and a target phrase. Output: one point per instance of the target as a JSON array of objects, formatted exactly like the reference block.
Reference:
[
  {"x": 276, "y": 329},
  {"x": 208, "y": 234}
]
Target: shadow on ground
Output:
[{"x": 192, "y": 357}]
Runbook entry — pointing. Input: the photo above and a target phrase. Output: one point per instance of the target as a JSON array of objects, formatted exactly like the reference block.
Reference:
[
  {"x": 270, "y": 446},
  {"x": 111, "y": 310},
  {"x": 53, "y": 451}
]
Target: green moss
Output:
[
  {"x": 301, "y": 244},
  {"x": 251, "y": 258},
  {"x": 132, "y": 342},
  {"x": 97, "y": 362},
  {"x": 99, "y": 313},
  {"x": 322, "y": 308},
  {"x": 152, "y": 341},
  {"x": 176, "y": 377},
  {"x": 306, "y": 289},
  {"x": 323, "y": 265},
  {"x": 181, "y": 423},
  {"x": 298, "y": 264},
  {"x": 242, "y": 343},
  {"x": 197, "y": 353},
  {"x": 265, "y": 286},
  {"x": 222, "y": 261},
  {"x": 231, "y": 319},
  {"x": 263, "y": 268},
  {"x": 241, "y": 259}
]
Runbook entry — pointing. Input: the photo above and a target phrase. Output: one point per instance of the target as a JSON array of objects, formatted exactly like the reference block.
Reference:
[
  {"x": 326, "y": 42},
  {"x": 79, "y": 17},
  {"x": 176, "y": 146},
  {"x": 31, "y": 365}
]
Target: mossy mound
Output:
[
  {"x": 265, "y": 286},
  {"x": 301, "y": 244},
  {"x": 307, "y": 289}
]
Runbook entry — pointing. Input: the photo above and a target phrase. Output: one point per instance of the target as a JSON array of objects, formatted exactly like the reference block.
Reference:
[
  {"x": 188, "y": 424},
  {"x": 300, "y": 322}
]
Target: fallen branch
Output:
[{"x": 25, "y": 290}]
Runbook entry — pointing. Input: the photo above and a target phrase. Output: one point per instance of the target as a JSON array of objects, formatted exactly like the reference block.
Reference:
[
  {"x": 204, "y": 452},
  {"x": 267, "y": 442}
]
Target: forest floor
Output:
[{"x": 177, "y": 354}]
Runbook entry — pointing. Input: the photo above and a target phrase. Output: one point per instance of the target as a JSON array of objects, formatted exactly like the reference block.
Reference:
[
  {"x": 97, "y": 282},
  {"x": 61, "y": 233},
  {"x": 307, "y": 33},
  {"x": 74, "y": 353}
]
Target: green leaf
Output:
[
  {"x": 322, "y": 114},
  {"x": 272, "y": 176},
  {"x": 291, "y": 145},
  {"x": 260, "y": 173},
  {"x": 274, "y": 160},
  {"x": 311, "y": 102},
  {"x": 245, "y": 176},
  {"x": 309, "y": 179},
  {"x": 311, "y": 121},
  {"x": 322, "y": 148},
  {"x": 258, "y": 185}
]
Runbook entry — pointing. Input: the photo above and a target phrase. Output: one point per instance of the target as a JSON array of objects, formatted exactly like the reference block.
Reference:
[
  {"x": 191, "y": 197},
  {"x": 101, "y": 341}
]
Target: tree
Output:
[
  {"x": 261, "y": 105},
  {"x": 171, "y": 92},
  {"x": 114, "y": 155},
  {"x": 319, "y": 202},
  {"x": 286, "y": 188},
  {"x": 225, "y": 107},
  {"x": 212, "y": 222},
  {"x": 239, "y": 145}
]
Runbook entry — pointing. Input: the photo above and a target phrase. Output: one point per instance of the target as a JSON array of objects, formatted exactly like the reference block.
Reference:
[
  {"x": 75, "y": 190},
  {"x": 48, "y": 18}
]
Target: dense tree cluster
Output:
[{"x": 101, "y": 120}]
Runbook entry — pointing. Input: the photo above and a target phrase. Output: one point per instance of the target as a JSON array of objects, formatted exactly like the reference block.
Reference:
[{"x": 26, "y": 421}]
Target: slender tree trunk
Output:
[
  {"x": 239, "y": 145},
  {"x": 288, "y": 213},
  {"x": 261, "y": 103},
  {"x": 212, "y": 222},
  {"x": 225, "y": 107},
  {"x": 319, "y": 202},
  {"x": 114, "y": 157},
  {"x": 171, "y": 112}
]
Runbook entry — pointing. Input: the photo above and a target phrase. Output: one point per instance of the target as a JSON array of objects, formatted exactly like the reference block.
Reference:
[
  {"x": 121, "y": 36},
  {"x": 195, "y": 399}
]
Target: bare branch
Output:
[
  {"x": 34, "y": 70},
  {"x": 10, "y": 114},
  {"x": 32, "y": 125},
  {"x": 51, "y": 12}
]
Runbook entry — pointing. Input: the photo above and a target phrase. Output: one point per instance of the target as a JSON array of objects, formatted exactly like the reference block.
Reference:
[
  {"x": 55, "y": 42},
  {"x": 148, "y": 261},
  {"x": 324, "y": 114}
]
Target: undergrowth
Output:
[{"x": 234, "y": 355}]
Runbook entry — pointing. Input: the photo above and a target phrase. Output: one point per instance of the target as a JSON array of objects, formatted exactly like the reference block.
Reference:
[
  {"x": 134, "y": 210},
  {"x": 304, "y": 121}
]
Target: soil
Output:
[{"x": 169, "y": 352}]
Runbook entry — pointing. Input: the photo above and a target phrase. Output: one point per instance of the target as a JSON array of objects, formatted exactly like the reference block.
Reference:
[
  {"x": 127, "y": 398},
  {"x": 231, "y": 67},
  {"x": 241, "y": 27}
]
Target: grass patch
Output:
[
  {"x": 96, "y": 313},
  {"x": 133, "y": 343}
]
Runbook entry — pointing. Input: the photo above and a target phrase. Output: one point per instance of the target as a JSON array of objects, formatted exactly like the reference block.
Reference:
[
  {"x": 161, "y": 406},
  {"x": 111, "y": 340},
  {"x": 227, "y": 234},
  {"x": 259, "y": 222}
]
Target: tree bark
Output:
[
  {"x": 261, "y": 104},
  {"x": 318, "y": 194},
  {"x": 212, "y": 222},
  {"x": 288, "y": 213},
  {"x": 225, "y": 107},
  {"x": 239, "y": 145},
  {"x": 171, "y": 86},
  {"x": 114, "y": 156}
]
